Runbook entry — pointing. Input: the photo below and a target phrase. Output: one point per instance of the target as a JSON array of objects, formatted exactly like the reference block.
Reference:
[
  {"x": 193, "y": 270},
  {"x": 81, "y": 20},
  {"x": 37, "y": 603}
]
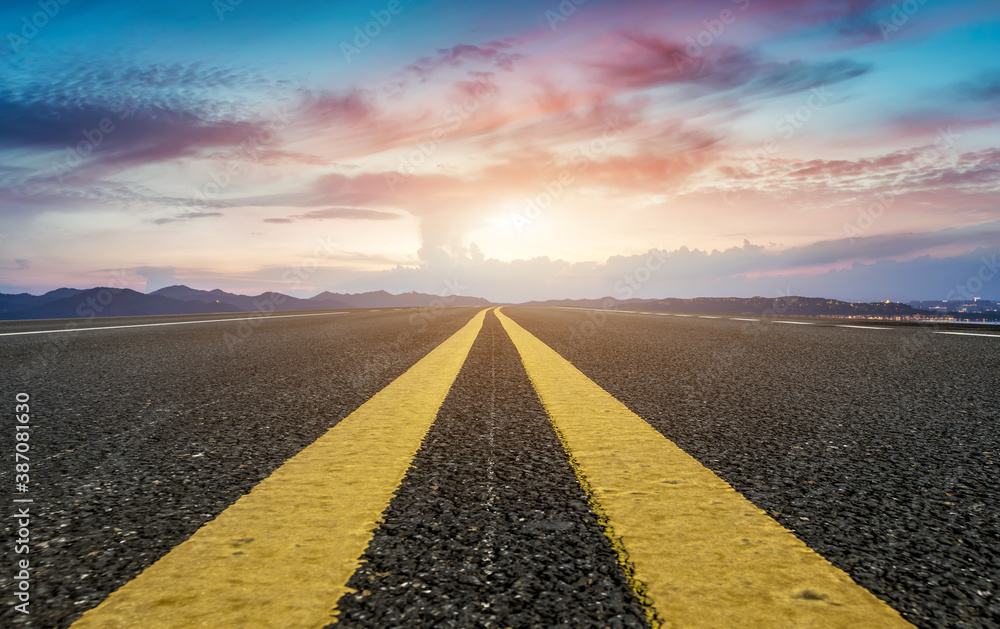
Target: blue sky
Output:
[{"x": 840, "y": 148}]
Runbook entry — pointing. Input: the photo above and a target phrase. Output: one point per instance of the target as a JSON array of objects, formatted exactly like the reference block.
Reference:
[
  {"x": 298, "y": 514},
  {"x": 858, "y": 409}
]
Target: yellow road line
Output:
[
  {"x": 701, "y": 555},
  {"x": 282, "y": 554}
]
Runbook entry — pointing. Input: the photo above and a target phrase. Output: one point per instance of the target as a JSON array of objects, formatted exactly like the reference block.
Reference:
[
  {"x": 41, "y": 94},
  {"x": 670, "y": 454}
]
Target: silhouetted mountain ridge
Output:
[
  {"x": 382, "y": 299},
  {"x": 791, "y": 305},
  {"x": 249, "y": 303},
  {"x": 20, "y": 301},
  {"x": 180, "y": 299},
  {"x": 109, "y": 302}
]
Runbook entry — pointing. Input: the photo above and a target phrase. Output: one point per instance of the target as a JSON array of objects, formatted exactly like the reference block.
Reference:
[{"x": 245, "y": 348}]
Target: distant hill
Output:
[
  {"x": 23, "y": 301},
  {"x": 66, "y": 303},
  {"x": 250, "y": 303},
  {"x": 793, "y": 305},
  {"x": 112, "y": 302},
  {"x": 602, "y": 302},
  {"x": 382, "y": 299},
  {"x": 323, "y": 301},
  {"x": 71, "y": 302}
]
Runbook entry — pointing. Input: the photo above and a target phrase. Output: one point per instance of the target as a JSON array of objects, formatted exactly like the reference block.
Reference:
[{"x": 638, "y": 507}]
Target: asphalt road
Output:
[
  {"x": 875, "y": 446},
  {"x": 141, "y": 435},
  {"x": 490, "y": 527}
]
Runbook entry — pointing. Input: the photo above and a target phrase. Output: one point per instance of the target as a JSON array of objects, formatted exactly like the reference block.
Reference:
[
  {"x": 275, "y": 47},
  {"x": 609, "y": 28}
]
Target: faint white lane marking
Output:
[
  {"x": 609, "y": 310},
  {"x": 861, "y": 327},
  {"x": 671, "y": 314},
  {"x": 148, "y": 325}
]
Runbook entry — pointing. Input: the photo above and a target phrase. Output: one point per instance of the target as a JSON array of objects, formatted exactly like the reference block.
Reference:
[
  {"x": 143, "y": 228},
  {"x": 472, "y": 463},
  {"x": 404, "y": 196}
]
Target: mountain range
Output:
[
  {"x": 791, "y": 305},
  {"x": 65, "y": 303}
]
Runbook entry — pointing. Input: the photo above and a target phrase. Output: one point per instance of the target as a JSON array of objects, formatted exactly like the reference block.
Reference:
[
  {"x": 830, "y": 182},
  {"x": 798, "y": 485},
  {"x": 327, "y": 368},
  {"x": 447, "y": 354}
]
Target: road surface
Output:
[{"x": 543, "y": 467}]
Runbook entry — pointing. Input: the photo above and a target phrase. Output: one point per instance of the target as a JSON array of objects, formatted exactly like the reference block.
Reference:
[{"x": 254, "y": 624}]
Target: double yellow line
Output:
[
  {"x": 696, "y": 553},
  {"x": 281, "y": 555}
]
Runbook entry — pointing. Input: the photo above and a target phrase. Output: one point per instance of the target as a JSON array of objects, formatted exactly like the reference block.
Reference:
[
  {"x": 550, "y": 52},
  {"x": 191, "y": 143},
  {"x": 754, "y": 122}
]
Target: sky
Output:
[{"x": 521, "y": 150}]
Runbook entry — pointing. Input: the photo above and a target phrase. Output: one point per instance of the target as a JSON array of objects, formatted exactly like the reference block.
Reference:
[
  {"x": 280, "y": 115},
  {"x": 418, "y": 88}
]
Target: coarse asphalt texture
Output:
[
  {"x": 878, "y": 448},
  {"x": 139, "y": 436},
  {"x": 490, "y": 527}
]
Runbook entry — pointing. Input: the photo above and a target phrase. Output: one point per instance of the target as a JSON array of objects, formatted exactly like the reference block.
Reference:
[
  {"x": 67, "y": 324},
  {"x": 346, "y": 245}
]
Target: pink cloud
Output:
[{"x": 493, "y": 54}]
